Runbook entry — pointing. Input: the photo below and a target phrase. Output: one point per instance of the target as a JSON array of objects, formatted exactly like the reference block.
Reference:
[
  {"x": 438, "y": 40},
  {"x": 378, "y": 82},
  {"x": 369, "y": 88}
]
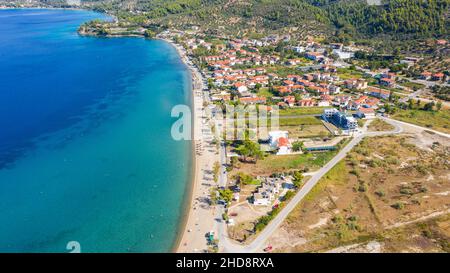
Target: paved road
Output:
[
  {"x": 399, "y": 123},
  {"x": 226, "y": 245}
]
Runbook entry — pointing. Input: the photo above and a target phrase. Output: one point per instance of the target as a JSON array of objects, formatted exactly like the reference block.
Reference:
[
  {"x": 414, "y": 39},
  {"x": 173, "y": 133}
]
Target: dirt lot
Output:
[
  {"x": 378, "y": 125},
  {"x": 245, "y": 219},
  {"x": 284, "y": 163},
  {"x": 384, "y": 181}
]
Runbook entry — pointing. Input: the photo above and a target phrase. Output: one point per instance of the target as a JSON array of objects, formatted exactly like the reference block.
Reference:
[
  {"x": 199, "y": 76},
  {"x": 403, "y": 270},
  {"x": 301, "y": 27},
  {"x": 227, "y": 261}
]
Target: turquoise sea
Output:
[{"x": 86, "y": 153}]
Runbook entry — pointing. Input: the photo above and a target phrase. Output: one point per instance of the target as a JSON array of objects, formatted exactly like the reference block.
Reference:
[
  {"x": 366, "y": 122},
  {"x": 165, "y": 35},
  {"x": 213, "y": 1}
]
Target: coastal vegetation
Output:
[
  {"x": 338, "y": 21},
  {"x": 353, "y": 203}
]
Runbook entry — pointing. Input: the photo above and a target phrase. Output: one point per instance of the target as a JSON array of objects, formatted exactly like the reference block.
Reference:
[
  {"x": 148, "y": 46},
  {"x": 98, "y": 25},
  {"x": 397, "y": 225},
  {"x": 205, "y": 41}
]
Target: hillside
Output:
[{"x": 340, "y": 19}]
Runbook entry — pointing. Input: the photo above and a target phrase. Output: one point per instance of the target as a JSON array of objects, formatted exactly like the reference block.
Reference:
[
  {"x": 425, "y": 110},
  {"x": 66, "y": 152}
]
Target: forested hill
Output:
[{"x": 342, "y": 18}]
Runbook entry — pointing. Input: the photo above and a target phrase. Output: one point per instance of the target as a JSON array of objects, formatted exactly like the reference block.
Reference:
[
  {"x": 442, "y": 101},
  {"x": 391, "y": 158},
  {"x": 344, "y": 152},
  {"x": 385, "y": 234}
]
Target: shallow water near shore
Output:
[{"x": 85, "y": 148}]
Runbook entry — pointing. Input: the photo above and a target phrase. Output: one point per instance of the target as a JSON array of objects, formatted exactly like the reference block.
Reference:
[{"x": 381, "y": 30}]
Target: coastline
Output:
[
  {"x": 189, "y": 194},
  {"x": 198, "y": 217}
]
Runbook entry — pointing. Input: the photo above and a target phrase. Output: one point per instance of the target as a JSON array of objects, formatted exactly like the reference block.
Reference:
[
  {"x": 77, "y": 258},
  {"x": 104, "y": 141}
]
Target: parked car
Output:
[{"x": 268, "y": 248}]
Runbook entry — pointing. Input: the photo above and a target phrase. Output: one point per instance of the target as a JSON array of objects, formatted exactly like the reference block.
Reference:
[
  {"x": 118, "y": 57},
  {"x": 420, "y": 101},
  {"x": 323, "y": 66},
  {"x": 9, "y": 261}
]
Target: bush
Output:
[
  {"x": 398, "y": 205},
  {"x": 362, "y": 187},
  {"x": 288, "y": 195},
  {"x": 406, "y": 191},
  {"x": 380, "y": 193},
  {"x": 225, "y": 216}
]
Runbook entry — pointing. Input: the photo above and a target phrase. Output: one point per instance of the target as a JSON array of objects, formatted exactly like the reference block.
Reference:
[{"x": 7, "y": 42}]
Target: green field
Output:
[
  {"x": 437, "y": 120},
  {"x": 412, "y": 85},
  {"x": 346, "y": 74},
  {"x": 302, "y": 111},
  {"x": 264, "y": 92},
  {"x": 306, "y": 131},
  {"x": 306, "y": 120}
]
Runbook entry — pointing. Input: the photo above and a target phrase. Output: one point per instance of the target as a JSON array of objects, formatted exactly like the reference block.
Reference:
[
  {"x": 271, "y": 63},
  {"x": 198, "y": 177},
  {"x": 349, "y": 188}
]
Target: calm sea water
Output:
[{"x": 85, "y": 148}]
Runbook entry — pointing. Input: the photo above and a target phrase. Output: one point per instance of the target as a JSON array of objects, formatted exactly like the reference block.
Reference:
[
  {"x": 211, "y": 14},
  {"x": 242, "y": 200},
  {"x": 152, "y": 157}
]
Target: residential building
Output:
[
  {"x": 279, "y": 140},
  {"x": 365, "y": 113},
  {"x": 340, "y": 119},
  {"x": 378, "y": 92}
]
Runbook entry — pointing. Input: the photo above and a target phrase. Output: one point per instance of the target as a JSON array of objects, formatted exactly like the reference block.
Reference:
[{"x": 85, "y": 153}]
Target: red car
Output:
[{"x": 268, "y": 248}]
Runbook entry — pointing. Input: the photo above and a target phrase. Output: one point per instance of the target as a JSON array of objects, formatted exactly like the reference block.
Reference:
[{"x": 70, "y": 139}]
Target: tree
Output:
[
  {"x": 226, "y": 195},
  {"x": 428, "y": 106},
  {"x": 213, "y": 196},
  {"x": 149, "y": 34},
  {"x": 297, "y": 146},
  {"x": 438, "y": 106},
  {"x": 246, "y": 179},
  {"x": 216, "y": 169},
  {"x": 410, "y": 104},
  {"x": 250, "y": 149},
  {"x": 297, "y": 178}
]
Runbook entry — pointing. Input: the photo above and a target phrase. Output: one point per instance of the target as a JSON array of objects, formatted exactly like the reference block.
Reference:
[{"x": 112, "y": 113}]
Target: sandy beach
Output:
[{"x": 200, "y": 218}]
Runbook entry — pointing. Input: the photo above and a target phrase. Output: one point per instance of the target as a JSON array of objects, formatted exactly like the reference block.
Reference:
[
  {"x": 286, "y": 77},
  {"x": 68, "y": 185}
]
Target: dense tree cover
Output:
[
  {"x": 350, "y": 18},
  {"x": 421, "y": 17}
]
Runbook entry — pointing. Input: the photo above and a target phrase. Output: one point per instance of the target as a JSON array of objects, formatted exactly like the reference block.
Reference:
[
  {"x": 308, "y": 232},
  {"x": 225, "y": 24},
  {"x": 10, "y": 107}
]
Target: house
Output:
[
  {"x": 353, "y": 105},
  {"x": 293, "y": 62},
  {"x": 223, "y": 96},
  {"x": 343, "y": 55},
  {"x": 323, "y": 103},
  {"x": 365, "y": 113},
  {"x": 283, "y": 146},
  {"x": 378, "y": 92},
  {"x": 357, "y": 84},
  {"x": 425, "y": 75},
  {"x": 279, "y": 140},
  {"x": 387, "y": 82},
  {"x": 371, "y": 103},
  {"x": 240, "y": 87},
  {"x": 253, "y": 100},
  {"x": 315, "y": 56},
  {"x": 289, "y": 100},
  {"x": 341, "y": 101},
  {"x": 288, "y": 83},
  {"x": 438, "y": 76},
  {"x": 266, "y": 193},
  {"x": 273, "y": 76},
  {"x": 299, "y": 49},
  {"x": 334, "y": 89},
  {"x": 306, "y": 103}
]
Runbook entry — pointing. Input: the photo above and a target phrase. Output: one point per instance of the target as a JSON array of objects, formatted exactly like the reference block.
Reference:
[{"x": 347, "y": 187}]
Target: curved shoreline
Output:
[
  {"x": 189, "y": 194},
  {"x": 184, "y": 233}
]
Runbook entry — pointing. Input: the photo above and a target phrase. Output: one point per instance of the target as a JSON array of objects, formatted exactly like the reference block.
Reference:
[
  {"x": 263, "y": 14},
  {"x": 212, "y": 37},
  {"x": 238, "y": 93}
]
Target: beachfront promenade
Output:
[{"x": 201, "y": 215}]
